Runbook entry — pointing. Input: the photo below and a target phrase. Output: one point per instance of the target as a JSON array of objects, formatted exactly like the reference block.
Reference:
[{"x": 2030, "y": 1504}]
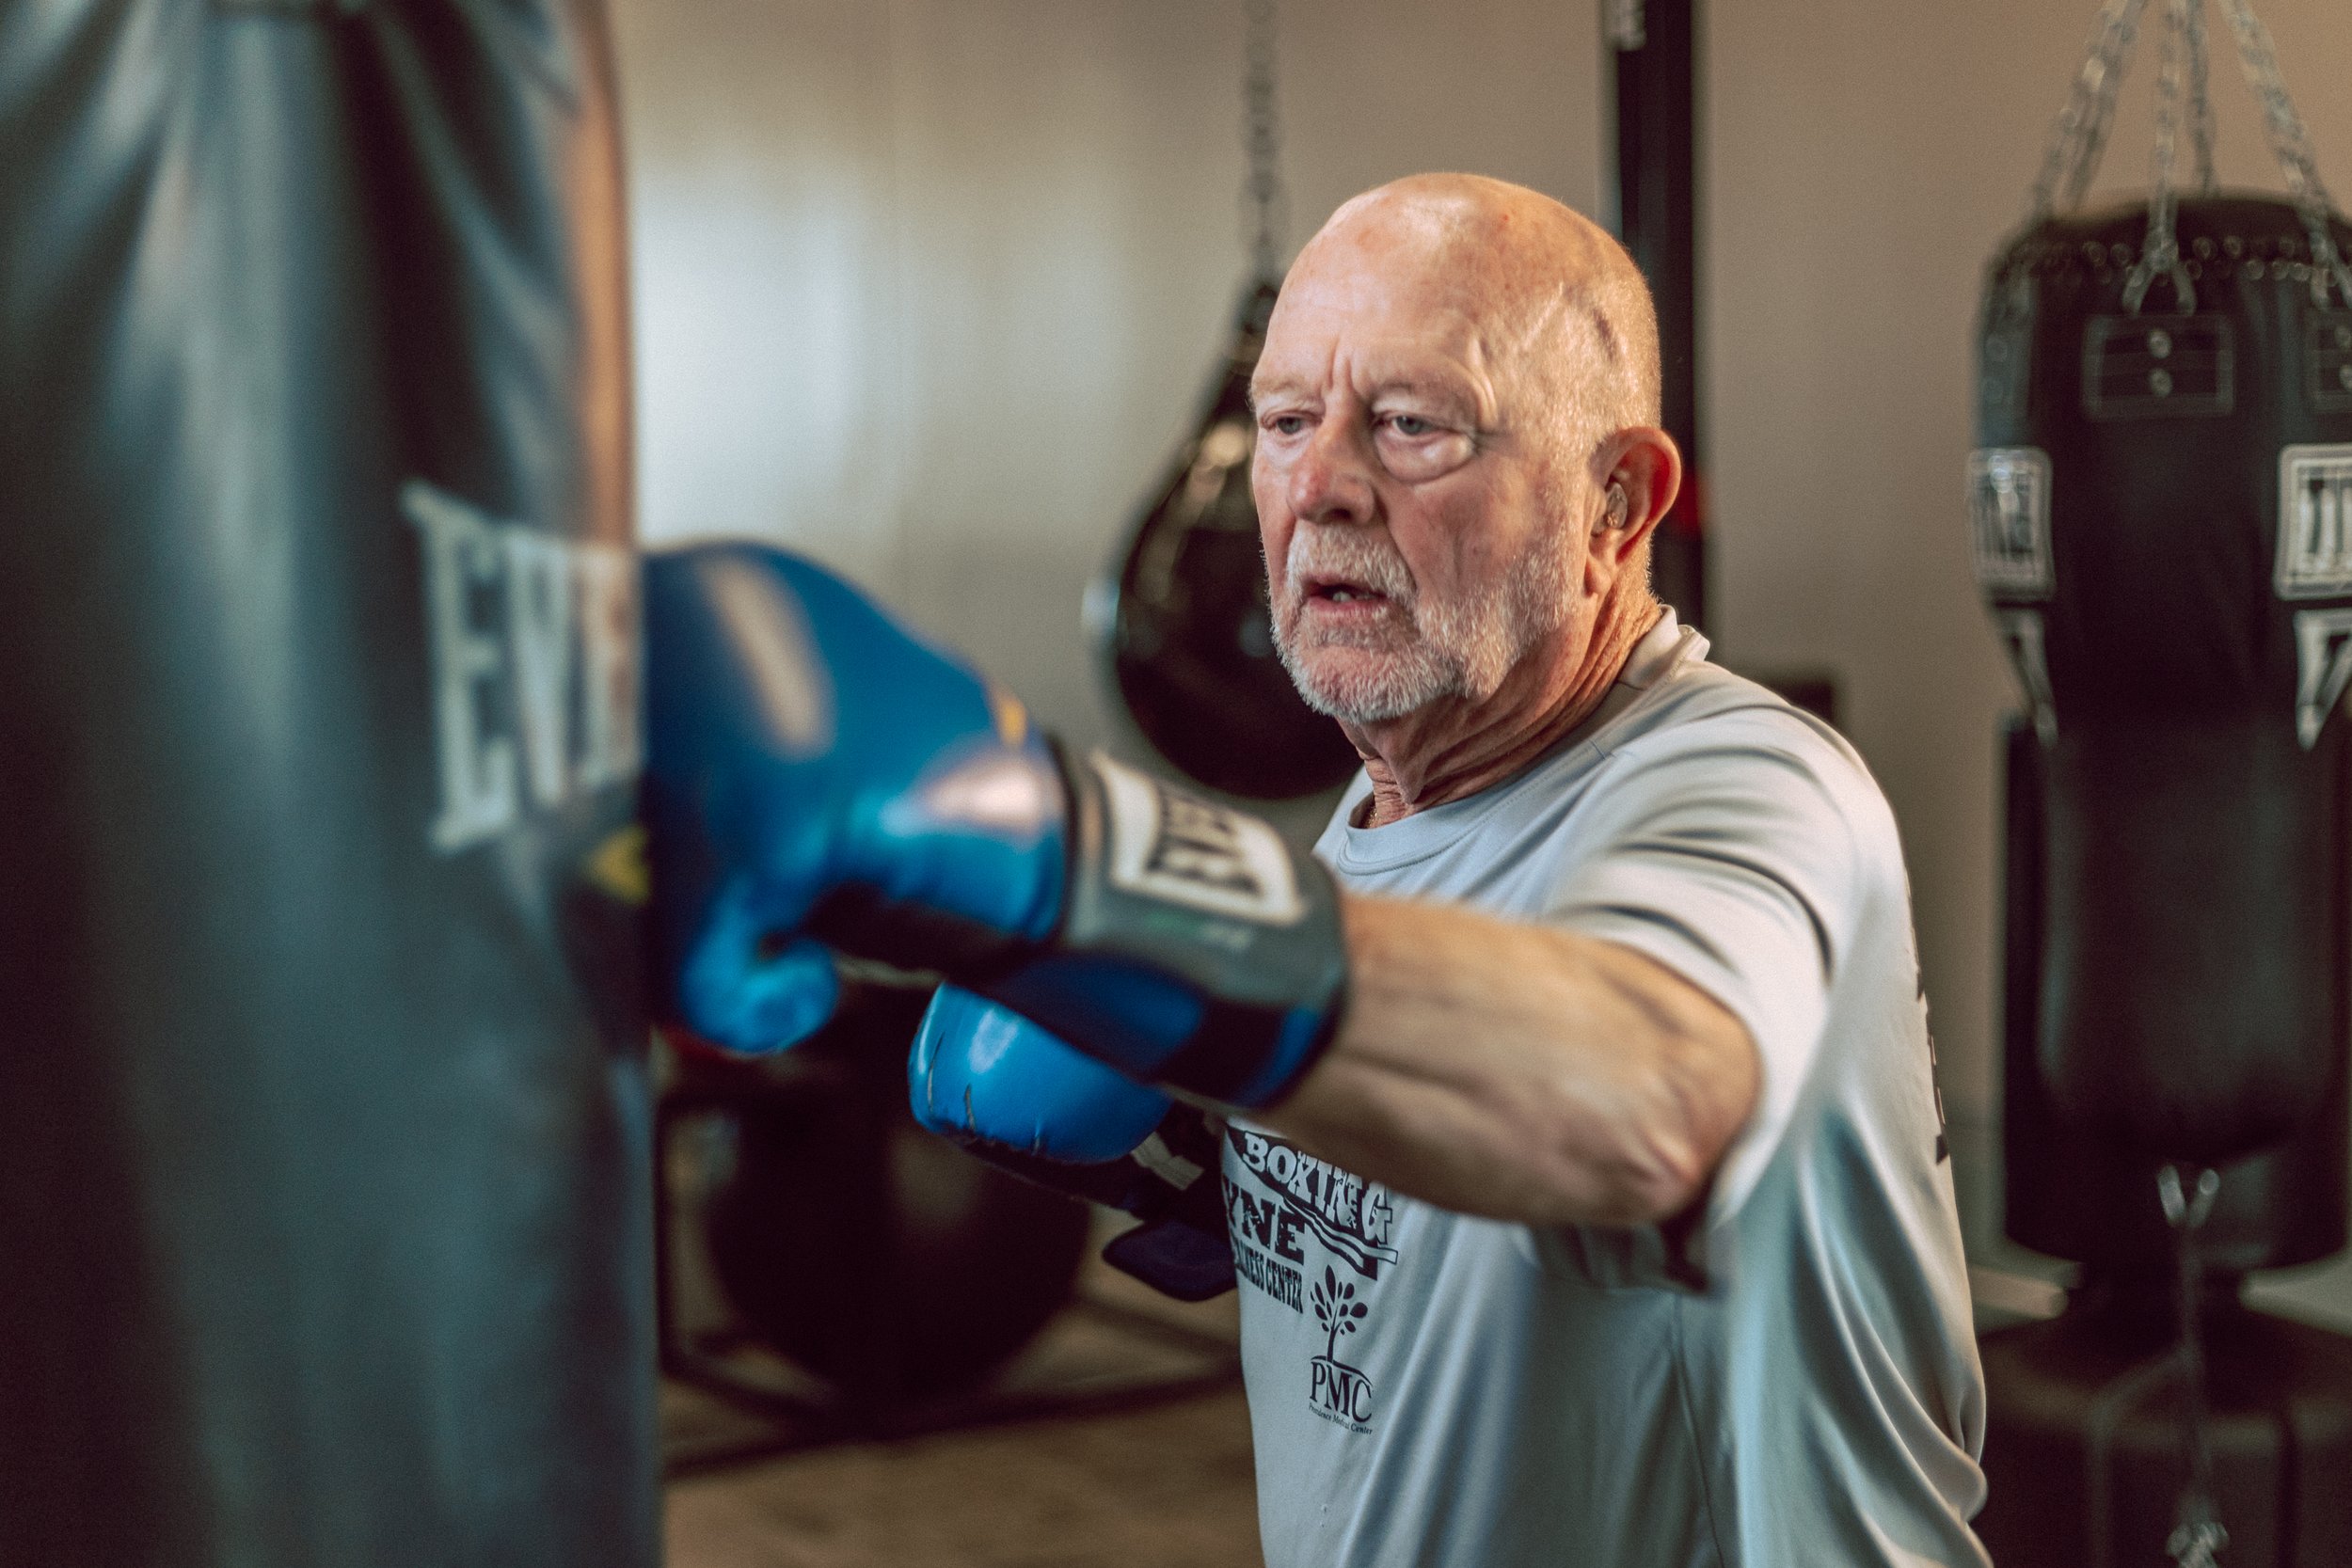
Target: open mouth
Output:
[{"x": 1338, "y": 591}]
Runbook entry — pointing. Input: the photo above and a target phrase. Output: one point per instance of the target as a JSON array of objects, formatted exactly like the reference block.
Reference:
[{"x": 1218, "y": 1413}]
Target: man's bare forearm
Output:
[{"x": 1522, "y": 1073}]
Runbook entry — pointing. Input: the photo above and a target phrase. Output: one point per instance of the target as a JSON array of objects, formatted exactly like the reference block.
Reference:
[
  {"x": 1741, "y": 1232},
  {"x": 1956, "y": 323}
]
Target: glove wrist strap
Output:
[{"x": 1195, "y": 949}]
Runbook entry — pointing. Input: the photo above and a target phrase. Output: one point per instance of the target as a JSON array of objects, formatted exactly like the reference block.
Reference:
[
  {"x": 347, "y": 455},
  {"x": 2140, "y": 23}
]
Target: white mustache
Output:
[{"x": 1352, "y": 555}]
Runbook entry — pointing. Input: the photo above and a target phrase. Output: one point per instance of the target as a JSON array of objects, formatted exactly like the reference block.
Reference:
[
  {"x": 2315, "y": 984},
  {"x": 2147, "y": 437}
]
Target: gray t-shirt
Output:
[{"x": 1790, "y": 1381}]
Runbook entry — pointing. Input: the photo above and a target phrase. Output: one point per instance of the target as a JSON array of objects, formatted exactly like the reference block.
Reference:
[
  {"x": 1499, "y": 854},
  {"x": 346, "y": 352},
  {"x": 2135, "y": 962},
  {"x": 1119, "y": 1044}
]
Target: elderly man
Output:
[{"x": 1582, "y": 1152}]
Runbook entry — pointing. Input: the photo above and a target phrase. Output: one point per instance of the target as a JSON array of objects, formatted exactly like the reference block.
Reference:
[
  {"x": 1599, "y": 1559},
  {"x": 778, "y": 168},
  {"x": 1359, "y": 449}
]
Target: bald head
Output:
[{"x": 1536, "y": 281}]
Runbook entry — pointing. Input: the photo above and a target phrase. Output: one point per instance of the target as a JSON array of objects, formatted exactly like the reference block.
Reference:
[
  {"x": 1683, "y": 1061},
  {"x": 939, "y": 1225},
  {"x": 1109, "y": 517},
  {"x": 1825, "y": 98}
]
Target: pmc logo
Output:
[{"x": 1338, "y": 1391}]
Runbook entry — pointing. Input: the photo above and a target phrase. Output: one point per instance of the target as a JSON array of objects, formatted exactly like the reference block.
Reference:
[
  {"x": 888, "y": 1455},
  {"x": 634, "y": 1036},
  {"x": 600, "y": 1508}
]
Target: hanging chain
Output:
[
  {"x": 2111, "y": 82},
  {"x": 1624, "y": 25},
  {"x": 2081, "y": 130},
  {"x": 2199, "y": 98},
  {"x": 2161, "y": 251},
  {"x": 2292, "y": 148},
  {"x": 2197, "y": 1535},
  {"x": 2072, "y": 158},
  {"x": 1262, "y": 137}
]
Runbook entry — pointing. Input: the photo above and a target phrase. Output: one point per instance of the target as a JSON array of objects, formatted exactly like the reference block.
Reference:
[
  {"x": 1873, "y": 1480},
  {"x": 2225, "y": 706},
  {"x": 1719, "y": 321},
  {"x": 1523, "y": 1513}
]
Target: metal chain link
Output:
[
  {"x": 2198, "y": 1534},
  {"x": 2199, "y": 98},
  {"x": 1625, "y": 24},
  {"x": 2081, "y": 131},
  {"x": 2102, "y": 116},
  {"x": 2080, "y": 137},
  {"x": 2290, "y": 146},
  {"x": 2161, "y": 251},
  {"x": 1262, "y": 192}
]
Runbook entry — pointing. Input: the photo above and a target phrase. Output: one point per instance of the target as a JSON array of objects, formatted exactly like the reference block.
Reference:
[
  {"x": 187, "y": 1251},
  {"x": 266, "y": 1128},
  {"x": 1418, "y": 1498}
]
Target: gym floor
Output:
[
  {"x": 1136, "y": 1452},
  {"x": 1119, "y": 1437}
]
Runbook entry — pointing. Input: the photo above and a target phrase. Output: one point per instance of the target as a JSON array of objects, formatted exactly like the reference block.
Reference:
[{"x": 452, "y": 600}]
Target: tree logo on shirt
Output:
[
  {"x": 1337, "y": 1390},
  {"x": 1290, "y": 1212}
]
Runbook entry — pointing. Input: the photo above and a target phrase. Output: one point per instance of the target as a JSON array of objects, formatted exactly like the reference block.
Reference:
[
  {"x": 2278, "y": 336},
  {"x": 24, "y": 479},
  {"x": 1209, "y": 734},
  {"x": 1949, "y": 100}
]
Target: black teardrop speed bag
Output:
[
  {"x": 1188, "y": 633},
  {"x": 324, "y": 1198}
]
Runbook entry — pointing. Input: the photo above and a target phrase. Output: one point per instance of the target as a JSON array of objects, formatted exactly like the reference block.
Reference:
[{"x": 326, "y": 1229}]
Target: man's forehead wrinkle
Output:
[
  {"x": 1455, "y": 377},
  {"x": 1557, "y": 312},
  {"x": 1450, "y": 373},
  {"x": 1270, "y": 382}
]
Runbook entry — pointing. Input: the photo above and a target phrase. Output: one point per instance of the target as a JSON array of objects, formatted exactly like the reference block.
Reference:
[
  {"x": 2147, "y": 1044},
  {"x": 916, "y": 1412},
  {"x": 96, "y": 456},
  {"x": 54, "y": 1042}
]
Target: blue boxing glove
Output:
[
  {"x": 979, "y": 1075},
  {"x": 1018, "y": 1098},
  {"x": 821, "y": 781}
]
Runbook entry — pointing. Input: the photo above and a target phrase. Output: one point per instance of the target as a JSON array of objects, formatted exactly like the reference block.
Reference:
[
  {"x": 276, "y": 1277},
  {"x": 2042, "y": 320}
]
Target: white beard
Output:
[{"x": 1440, "y": 649}]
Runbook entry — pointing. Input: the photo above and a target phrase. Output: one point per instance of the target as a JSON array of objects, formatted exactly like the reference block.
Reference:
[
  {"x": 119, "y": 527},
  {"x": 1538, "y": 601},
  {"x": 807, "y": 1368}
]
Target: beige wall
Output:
[{"x": 930, "y": 287}]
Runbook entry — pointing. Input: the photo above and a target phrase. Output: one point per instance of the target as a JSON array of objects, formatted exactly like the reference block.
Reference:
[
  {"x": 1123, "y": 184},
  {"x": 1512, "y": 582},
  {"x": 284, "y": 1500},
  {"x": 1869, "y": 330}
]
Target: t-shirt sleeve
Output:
[{"x": 1722, "y": 851}]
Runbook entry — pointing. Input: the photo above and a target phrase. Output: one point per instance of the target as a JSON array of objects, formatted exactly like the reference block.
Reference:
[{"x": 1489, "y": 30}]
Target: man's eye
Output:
[
  {"x": 1411, "y": 426},
  {"x": 1286, "y": 424}
]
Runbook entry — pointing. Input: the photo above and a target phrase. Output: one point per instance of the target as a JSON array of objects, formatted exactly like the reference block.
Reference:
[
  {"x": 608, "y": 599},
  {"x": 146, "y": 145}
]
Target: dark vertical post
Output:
[{"x": 1655, "y": 43}]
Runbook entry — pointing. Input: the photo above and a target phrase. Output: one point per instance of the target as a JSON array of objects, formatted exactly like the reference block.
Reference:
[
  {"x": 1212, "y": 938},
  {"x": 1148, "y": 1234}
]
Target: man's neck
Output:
[{"x": 1454, "y": 748}]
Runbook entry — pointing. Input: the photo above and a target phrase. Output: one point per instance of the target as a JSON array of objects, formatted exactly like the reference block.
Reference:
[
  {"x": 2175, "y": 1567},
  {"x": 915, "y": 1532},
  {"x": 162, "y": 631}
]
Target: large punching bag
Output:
[
  {"x": 2161, "y": 497},
  {"x": 324, "y": 1219},
  {"x": 2151, "y": 490},
  {"x": 2161, "y": 511}
]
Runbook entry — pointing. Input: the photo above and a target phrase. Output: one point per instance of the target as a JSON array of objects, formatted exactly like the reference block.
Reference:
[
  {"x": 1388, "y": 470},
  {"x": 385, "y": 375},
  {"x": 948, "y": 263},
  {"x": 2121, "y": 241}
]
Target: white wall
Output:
[{"x": 930, "y": 288}]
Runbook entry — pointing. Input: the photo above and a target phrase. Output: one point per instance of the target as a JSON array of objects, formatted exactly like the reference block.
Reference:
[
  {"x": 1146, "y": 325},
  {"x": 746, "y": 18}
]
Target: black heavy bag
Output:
[
  {"x": 893, "y": 1264},
  {"x": 2088, "y": 1192},
  {"x": 2162, "y": 514},
  {"x": 323, "y": 1223},
  {"x": 1184, "y": 621}
]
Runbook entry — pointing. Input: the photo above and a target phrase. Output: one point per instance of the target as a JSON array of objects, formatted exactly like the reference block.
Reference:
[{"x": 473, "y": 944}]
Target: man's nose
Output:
[{"x": 1331, "y": 481}]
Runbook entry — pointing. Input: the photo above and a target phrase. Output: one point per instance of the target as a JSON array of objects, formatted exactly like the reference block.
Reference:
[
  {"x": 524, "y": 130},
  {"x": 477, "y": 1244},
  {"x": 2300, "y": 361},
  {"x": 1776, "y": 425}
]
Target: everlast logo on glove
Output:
[
  {"x": 1172, "y": 846},
  {"x": 1210, "y": 901}
]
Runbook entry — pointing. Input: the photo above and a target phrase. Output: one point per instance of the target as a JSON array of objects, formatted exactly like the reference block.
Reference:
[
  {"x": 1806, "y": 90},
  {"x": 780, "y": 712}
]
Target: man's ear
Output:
[{"x": 1640, "y": 473}]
